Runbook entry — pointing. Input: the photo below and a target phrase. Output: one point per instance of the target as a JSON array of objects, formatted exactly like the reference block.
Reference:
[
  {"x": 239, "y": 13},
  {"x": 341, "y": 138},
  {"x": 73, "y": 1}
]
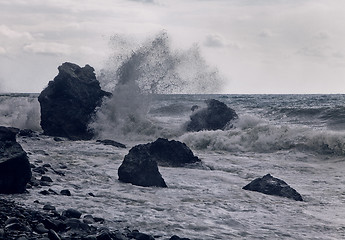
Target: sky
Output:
[{"x": 258, "y": 46}]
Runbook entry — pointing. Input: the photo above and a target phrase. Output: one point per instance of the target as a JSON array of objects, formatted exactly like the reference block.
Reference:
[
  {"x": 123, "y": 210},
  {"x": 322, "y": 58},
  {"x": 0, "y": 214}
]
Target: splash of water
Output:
[{"x": 151, "y": 68}]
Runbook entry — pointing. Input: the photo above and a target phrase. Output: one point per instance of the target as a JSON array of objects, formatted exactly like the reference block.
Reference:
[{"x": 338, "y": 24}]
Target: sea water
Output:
[{"x": 297, "y": 138}]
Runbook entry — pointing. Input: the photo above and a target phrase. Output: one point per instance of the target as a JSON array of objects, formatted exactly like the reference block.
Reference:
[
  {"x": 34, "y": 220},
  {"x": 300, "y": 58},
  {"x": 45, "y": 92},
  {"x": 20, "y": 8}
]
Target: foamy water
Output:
[{"x": 299, "y": 139}]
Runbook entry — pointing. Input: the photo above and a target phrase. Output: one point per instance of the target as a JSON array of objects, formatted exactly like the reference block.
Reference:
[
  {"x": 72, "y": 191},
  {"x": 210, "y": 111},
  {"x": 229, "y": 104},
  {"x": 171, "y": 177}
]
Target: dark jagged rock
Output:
[
  {"x": 69, "y": 102},
  {"x": 140, "y": 164},
  {"x": 166, "y": 153},
  {"x": 273, "y": 186},
  {"x": 15, "y": 169},
  {"x": 139, "y": 169},
  {"x": 111, "y": 143},
  {"x": 215, "y": 116}
]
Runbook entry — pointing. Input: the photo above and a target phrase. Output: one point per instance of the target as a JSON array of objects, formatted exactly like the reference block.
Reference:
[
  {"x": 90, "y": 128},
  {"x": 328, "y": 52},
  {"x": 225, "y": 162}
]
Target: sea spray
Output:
[
  {"x": 250, "y": 134},
  {"x": 151, "y": 68},
  {"x": 20, "y": 111}
]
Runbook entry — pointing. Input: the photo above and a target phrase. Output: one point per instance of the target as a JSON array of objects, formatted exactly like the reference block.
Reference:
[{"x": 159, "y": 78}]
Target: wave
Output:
[
  {"x": 255, "y": 135},
  {"x": 152, "y": 68},
  {"x": 20, "y": 111}
]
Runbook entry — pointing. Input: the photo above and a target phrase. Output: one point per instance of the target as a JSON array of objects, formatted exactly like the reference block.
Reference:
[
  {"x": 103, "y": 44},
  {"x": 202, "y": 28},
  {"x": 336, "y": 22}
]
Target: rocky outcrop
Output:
[
  {"x": 140, "y": 169},
  {"x": 15, "y": 171},
  {"x": 273, "y": 186},
  {"x": 69, "y": 102},
  {"x": 215, "y": 116},
  {"x": 140, "y": 164}
]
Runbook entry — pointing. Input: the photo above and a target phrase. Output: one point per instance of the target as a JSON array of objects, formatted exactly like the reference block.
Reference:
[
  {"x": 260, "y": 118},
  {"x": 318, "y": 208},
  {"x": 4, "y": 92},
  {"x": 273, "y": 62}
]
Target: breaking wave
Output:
[
  {"x": 20, "y": 111},
  {"x": 136, "y": 74},
  {"x": 251, "y": 134}
]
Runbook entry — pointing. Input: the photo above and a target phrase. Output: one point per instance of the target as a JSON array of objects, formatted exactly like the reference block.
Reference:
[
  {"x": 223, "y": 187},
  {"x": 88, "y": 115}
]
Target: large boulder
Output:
[
  {"x": 140, "y": 164},
  {"x": 69, "y": 102},
  {"x": 140, "y": 169},
  {"x": 273, "y": 186},
  {"x": 215, "y": 116},
  {"x": 15, "y": 171}
]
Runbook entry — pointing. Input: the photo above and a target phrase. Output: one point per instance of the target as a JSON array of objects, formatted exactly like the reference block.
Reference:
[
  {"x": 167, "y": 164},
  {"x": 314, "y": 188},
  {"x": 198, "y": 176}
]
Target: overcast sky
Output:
[{"x": 258, "y": 46}]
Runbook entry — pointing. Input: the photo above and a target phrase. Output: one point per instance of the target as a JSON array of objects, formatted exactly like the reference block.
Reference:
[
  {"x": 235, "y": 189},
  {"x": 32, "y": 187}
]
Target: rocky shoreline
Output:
[{"x": 18, "y": 222}]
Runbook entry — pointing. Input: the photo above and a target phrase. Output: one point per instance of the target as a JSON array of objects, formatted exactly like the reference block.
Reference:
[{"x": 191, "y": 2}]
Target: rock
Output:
[
  {"x": 69, "y": 102},
  {"x": 40, "y": 228},
  {"x": 57, "y": 139},
  {"x": 46, "y": 179},
  {"x": 166, "y": 153},
  {"x": 178, "y": 238},
  {"x": 112, "y": 143},
  {"x": 171, "y": 153},
  {"x": 27, "y": 133},
  {"x": 15, "y": 170},
  {"x": 48, "y": 207},
  {"x": 215, "y": 116},
  {"x": 140, "y": 169},
  {"x": 71, "y": 213},
  {"x": 65, "y": 192},
  {"x": 139, "y": 236},
  {"x": 52, "y": 235},
  {"x": 273, "y": 186},
  {"x": 88, "y": 219},
  {"x": 2, "y": 233}
]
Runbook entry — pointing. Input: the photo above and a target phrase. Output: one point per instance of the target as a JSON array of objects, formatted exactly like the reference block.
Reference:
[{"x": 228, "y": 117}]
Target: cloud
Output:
[
  {"x": 50, "y": 48},
  {"x": 143, "y": 1},
  {"x": 2, "y": 51},
  {"x": 322, "y": 36},
  {"x": 266, "y": 33},
  {"x": 218, "y": 41},
  {"x": 6, "y": 32}
]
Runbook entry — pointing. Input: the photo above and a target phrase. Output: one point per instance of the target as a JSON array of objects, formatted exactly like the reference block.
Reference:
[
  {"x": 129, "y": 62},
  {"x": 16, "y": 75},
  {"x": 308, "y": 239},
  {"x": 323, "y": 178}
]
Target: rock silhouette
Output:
[{"x": 69, "y": 102}]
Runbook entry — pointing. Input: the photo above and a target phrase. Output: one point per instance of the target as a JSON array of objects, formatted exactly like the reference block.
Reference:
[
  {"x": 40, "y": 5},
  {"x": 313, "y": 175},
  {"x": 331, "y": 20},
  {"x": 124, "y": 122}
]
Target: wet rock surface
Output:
[
  {"x": 215, "y": 116},
  {"x": 138, "y": 168},
  {"x": 273, "y": 186},
  {"x": 17, "y": 222},
  {"x": 69, "y": 102},
  {"x": 166, "y": 153},
  {"x": 15, "y": 170}
]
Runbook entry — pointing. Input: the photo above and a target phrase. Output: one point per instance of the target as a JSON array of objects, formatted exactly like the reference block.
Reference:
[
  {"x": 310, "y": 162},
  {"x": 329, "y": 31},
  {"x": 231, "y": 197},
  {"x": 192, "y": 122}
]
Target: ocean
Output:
[{"x": 297, "y": 138}]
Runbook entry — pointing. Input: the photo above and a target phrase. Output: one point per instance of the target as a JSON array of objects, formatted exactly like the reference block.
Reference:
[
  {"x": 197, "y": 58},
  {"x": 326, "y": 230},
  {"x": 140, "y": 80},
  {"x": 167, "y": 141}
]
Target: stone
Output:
[
  {"x": 215, "y": 116},
  {"x": 170, "y": 153},
  {"x": 69, "y": 102},
  {"x": 40, "y": 228},
  {"x": 65, "y": 192},
  {"x": 15, "y": 169},
  {"x": 71, "y": 213},
  {"x": 111, "y": 143},
  {"x": 175, "y": 237},
  {"x": 138, "y": 168},
  {"x": 166, "y": 153},
  {"x": 273, "y": 186},
  {"x": 48, "y": 207},
  {"x": 46, "y": 179},
  {"x": 139, "y": 236},
  {"x": 52, "y": 235}
]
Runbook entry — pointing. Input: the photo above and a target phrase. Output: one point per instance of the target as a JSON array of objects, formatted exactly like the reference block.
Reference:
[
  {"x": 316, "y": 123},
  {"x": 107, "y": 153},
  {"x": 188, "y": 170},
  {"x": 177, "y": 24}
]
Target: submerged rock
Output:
[
  {"x": 111, "y": 143},
  {"x": 215, "y": 116},
  {"x": 273, "y": 186},
  {"x": 69, "y": 102},
  {"x": 15, "y": 169}
]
